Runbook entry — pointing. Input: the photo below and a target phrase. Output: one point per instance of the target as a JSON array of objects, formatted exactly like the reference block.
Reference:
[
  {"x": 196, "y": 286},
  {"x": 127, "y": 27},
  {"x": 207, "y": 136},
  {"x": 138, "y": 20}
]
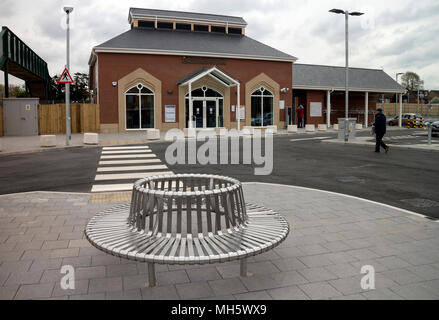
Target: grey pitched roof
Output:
[
  {"x": 317, "y": 76},
  {"x": 192, "y": 16},
  {"x": 192, "y": 75},
  {"x": 194, "y": 43}
]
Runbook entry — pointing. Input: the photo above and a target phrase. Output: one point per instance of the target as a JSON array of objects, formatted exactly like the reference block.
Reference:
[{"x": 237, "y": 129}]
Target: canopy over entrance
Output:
[{"x": 218, "y": 76}]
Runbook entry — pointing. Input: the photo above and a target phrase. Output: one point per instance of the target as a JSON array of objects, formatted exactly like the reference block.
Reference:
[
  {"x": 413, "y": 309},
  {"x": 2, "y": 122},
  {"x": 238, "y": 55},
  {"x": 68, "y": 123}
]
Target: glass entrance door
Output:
[
  {"x": 211, "y": 114},
  {"x": 198, "y": 113}
]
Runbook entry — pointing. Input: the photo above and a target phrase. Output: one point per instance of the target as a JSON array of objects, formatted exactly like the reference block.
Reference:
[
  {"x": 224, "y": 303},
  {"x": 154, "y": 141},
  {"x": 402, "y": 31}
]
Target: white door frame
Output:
[{"x": 204, "y": 100}]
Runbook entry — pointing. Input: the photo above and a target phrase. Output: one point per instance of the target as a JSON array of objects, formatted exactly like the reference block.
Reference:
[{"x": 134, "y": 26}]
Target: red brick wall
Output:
[
  {"x": 315, "y": 96},
  {"x": 170, "y": 69}
]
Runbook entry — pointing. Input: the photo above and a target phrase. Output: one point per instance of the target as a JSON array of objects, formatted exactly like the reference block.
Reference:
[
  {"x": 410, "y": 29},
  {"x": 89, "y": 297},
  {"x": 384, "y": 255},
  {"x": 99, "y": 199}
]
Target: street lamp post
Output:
[
  {"x": 347, "y": 14},
  {"x": 68, "y": 10},
  {"x": 397, "y": 102}
]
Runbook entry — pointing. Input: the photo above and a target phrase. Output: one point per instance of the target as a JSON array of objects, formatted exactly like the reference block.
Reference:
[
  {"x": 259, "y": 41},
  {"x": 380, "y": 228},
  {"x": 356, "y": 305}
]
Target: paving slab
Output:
[{"x": 332, "y": 237}]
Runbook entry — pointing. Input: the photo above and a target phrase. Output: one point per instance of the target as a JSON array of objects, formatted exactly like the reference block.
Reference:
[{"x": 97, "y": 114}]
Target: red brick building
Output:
[{"x": 173, "y": 67}]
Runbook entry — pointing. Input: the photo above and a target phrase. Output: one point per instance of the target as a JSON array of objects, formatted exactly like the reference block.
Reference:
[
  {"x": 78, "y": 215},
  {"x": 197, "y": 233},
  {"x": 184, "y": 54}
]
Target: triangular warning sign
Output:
[{"x": 65, "y": 77}]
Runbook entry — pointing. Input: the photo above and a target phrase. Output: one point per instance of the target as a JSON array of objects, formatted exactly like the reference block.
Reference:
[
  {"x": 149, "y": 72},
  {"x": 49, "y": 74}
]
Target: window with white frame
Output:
[
  {"x": 139, "y": 108},
  {"x": 262, "y": 101}
]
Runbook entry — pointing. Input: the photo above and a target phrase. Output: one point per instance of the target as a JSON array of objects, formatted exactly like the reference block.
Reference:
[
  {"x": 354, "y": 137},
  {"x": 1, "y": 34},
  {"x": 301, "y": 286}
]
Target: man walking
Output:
[{"x": 380, "y": 130}]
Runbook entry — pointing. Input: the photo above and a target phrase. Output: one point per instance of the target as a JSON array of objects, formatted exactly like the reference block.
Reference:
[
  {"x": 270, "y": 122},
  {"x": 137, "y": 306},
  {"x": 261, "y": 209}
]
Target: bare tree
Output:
[{"x": 410, "y": 80}]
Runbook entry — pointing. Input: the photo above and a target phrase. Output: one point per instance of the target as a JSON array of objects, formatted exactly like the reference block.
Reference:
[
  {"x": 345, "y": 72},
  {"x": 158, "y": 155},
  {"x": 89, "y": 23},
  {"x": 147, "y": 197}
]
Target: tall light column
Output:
[
  {"x": 347, "y": 14},
  {"x": 400, "y": 104},
  {"x": 68, "y": 10}
]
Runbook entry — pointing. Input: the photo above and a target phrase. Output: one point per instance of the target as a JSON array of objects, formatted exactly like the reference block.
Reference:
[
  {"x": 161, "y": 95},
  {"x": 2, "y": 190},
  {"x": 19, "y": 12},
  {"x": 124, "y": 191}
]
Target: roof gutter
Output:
[
  {"x": 191, "y": 53},
  {"x": 323, "y": 88}
]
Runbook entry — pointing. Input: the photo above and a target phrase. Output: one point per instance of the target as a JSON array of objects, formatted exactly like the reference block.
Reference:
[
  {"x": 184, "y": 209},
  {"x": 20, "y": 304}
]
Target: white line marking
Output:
[
  {"x": 128, "y": 156},
  {"x": 112, "y": 187},
  {"x": 124, "y": 148},
  {"x": 137, "y": 175},
  {"x": 344, "y": 195},
  {"x": 133, "y": 168},
  {"x": 307, "y": 139},
  {"x": 103, "y": 163},
  {"x": 127, "y": 151}
]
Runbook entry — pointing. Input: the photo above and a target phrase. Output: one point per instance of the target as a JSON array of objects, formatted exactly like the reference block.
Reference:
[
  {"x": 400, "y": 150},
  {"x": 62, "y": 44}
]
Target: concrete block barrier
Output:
[
  {"x": 323, "y": 127},
  {"x": 272, "y": 129},
  {"x": 247, "y": 130},
  {"x": 359, "y": 126},
  {"x": 190, "y": 133},
  {"x": 310, "y": 128},
  {"x": 91, "y": 138},
  {"x": 153, "y": 134},
  {"x": 292, "y": 129},
  {"x": 48, "y": 141},
  {"x": 221, "y": 132},
  {"x": 335, "y": 127}
]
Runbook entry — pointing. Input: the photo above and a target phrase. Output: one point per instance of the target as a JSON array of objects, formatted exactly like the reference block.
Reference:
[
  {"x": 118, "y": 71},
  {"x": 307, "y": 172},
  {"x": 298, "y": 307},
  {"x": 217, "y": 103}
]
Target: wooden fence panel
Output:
[
  {"x": 75, "y": 115},
  {"x": 52, "y": 118},
  {"x": 425, "y": 110},
  {"x": 90, "y": 120},
  {"x": 1, "y": 121}
]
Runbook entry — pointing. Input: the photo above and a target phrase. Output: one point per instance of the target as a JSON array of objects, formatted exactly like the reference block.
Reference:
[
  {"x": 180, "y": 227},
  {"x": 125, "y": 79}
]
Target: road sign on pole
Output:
[{"x": 65, "y": 77}]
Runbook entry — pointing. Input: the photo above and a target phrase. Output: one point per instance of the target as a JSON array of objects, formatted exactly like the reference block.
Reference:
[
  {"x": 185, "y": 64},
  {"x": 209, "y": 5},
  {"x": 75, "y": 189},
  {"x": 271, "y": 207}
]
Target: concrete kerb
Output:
[
  {"x": 49, "y": 149},
  {"x": 426, "y": 147}
]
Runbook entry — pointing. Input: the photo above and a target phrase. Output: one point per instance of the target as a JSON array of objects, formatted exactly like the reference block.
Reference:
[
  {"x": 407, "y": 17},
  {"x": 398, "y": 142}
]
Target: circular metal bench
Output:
[{"x": 187, "y": 219}]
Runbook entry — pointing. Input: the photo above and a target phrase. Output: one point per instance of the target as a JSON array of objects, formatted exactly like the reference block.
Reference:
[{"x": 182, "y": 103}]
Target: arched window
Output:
[
  {"x": 262, "y": 108},
  {"x": 139, "y": 108}
]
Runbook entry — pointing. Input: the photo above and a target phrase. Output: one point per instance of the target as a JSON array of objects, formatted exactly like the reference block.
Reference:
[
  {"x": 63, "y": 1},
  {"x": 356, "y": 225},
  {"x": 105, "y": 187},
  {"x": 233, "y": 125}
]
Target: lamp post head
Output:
[
  {"x": 356, "y": 13},
  {"x": 68, "y": 9},
  {"x": 338, "y": 11}
]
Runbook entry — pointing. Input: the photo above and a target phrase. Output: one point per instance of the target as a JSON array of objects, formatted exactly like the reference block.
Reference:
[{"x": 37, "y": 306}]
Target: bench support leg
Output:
[
  {"x": 244, "y": 267},
  {"x": 151, "y": 275}
]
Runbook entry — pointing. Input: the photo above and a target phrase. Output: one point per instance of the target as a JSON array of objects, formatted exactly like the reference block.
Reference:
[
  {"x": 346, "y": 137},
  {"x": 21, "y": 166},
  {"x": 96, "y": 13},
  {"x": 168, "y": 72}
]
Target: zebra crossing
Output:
[
  {"x": 120, "y": 167},
  {"x": 400, "y": 137}
]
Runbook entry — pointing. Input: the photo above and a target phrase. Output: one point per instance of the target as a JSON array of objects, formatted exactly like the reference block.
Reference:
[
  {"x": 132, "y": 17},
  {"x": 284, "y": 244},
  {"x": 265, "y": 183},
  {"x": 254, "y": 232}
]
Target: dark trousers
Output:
[
  {"x": 301, "y": 123},
  {"x": 379, "y": 142}
]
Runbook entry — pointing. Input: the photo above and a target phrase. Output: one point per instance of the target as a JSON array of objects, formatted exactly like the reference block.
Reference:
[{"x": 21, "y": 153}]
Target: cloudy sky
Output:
[{"x": 396, "y": 35}]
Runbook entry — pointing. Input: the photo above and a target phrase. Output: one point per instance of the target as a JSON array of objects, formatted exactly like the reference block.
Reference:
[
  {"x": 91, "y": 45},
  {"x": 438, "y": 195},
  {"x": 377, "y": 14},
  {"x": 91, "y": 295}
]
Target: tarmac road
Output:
[{"x": 403, "y": 178}]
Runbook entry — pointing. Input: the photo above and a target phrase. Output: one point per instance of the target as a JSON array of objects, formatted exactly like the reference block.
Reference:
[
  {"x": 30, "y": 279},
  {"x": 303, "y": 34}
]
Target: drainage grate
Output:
[{"x": 421, "y": 203}]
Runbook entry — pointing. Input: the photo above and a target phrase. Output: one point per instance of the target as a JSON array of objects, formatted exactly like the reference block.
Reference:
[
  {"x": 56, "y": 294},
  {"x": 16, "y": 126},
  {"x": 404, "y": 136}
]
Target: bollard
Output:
[
  {"x": 421, "y": 123},
  {"x": 408, "y": 123},
  {"x": 430, "y": 132}
]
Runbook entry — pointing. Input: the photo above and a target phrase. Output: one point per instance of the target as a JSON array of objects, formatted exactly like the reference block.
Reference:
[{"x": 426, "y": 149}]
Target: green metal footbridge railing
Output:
[{"x": 17, "y": 59}]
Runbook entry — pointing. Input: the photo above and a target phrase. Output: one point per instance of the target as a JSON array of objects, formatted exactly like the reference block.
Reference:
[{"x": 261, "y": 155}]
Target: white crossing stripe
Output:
[
  {"x": 127, "y": 156},
  {"x": 310, "y": 139},
  {"x": 122, "y": 164},
  {"x": 126, "y": 176},
  {"x": 116, "y": 162},
  {"x": 133, "y": 168},
  {"x": 124, "y": 148},
  {"x": 127, "y": 151},
  {"x": 112, "y": 187}
]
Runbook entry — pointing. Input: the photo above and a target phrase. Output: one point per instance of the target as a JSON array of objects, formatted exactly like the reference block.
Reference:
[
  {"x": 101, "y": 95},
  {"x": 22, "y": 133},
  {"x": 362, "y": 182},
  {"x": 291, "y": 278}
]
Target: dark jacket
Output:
[{"x": 380, "y": 123}]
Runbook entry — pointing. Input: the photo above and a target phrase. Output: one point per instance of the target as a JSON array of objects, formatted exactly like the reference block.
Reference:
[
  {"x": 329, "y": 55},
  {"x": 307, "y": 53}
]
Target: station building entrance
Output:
[{"x": 207, "y": 108}]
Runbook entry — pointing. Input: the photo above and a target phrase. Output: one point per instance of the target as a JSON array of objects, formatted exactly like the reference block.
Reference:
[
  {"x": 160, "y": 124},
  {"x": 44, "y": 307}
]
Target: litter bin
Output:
[{"x": 351, "y": 122}]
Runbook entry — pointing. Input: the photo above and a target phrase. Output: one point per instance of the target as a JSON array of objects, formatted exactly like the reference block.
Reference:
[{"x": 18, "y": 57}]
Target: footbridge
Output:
[{"x": 17, "y": 59}]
